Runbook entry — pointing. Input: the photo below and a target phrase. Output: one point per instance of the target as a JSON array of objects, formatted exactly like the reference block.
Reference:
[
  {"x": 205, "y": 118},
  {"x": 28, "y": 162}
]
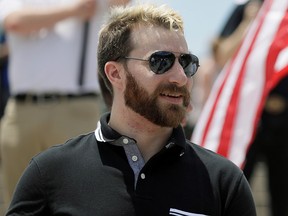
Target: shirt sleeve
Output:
[
  {"x": 240, "y": 201},
  {"x": 29, "y": 196}
]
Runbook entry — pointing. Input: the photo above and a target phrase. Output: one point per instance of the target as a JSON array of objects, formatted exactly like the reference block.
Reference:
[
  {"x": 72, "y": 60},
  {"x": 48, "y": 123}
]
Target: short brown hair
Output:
[{"x": 114, "y": 37}]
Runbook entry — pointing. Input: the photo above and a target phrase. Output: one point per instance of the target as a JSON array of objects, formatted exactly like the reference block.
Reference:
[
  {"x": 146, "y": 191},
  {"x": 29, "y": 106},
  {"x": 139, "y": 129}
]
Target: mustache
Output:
[{"x": 173, "y": 88}]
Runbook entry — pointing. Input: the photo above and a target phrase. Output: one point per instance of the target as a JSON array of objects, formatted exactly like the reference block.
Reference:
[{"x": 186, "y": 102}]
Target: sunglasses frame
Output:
[{"x": 162, "y": 55}]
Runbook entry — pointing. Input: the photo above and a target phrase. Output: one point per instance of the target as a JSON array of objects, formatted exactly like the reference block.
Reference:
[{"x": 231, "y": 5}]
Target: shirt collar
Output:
[{"x": 104, "y": 133}]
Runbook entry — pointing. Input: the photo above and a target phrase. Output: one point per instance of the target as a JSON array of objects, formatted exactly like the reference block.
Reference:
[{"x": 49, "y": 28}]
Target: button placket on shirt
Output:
[{"x": 135, "y": 159}]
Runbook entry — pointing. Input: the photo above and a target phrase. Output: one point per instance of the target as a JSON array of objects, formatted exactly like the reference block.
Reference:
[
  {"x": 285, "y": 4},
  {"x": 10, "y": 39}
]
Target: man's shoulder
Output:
[
  {"x": 214, "y": 162},
  {"x": 73, "y": 149}
]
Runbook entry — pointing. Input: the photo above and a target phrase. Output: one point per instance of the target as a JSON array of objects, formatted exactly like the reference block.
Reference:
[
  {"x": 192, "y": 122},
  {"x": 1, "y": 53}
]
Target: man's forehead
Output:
[
  {"x": 155, "y": 36},
  {"x": 160, "y": 31}
]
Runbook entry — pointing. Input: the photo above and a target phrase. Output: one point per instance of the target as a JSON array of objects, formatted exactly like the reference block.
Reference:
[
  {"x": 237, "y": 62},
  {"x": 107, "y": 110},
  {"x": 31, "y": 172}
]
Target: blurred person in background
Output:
[{"x": 52, "y": 76}]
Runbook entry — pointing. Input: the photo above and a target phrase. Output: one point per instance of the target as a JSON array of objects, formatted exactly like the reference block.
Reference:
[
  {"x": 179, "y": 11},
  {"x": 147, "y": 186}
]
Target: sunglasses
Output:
[{"x": 161, "y": 61}]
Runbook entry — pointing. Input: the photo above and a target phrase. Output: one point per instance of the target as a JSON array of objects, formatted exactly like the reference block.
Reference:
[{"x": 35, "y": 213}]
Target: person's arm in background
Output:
[
  {"x": 226, "y": 46},
  {"x": 29, "y": 20}
]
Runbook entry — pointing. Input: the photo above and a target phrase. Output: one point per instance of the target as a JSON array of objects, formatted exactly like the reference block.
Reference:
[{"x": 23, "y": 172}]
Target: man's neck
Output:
[{"x": 150, "y": 138}]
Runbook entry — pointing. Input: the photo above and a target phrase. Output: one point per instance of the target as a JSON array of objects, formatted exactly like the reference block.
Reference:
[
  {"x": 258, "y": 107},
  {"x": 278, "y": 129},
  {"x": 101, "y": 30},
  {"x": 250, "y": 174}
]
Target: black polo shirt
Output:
[{"x": 103, "y": 173}]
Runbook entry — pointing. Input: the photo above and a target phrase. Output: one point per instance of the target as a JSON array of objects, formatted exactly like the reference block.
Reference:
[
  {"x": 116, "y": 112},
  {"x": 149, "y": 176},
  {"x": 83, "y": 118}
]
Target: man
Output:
[
  {"x": 49, "y": 101},
  {"x": 137, "y": 162}
]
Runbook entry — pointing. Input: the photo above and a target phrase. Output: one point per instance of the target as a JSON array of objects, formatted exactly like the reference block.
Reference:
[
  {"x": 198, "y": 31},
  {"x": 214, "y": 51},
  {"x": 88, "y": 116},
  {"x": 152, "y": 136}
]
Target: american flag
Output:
[{"x": 228, "y": 122}]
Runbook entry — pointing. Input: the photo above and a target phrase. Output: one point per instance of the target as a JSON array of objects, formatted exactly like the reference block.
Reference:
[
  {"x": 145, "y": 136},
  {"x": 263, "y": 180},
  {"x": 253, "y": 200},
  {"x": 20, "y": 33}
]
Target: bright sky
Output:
[{"x": 203, "y": 19}]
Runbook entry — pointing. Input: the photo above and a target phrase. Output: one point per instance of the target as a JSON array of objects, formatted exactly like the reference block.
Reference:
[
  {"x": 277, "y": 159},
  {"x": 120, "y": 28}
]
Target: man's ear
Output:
[{"x": 114, "y": 72}]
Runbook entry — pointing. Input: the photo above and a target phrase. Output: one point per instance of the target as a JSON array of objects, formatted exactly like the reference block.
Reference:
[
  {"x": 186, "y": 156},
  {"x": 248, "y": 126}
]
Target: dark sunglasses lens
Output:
[
  {"x": 190, "y": 64},
  {"x": 162, "y": 61}
]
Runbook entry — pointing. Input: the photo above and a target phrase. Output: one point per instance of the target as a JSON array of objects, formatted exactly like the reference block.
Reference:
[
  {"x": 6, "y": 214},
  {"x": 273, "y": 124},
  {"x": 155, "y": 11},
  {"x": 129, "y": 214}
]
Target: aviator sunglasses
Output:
[{"x": 161, "y": 61}]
